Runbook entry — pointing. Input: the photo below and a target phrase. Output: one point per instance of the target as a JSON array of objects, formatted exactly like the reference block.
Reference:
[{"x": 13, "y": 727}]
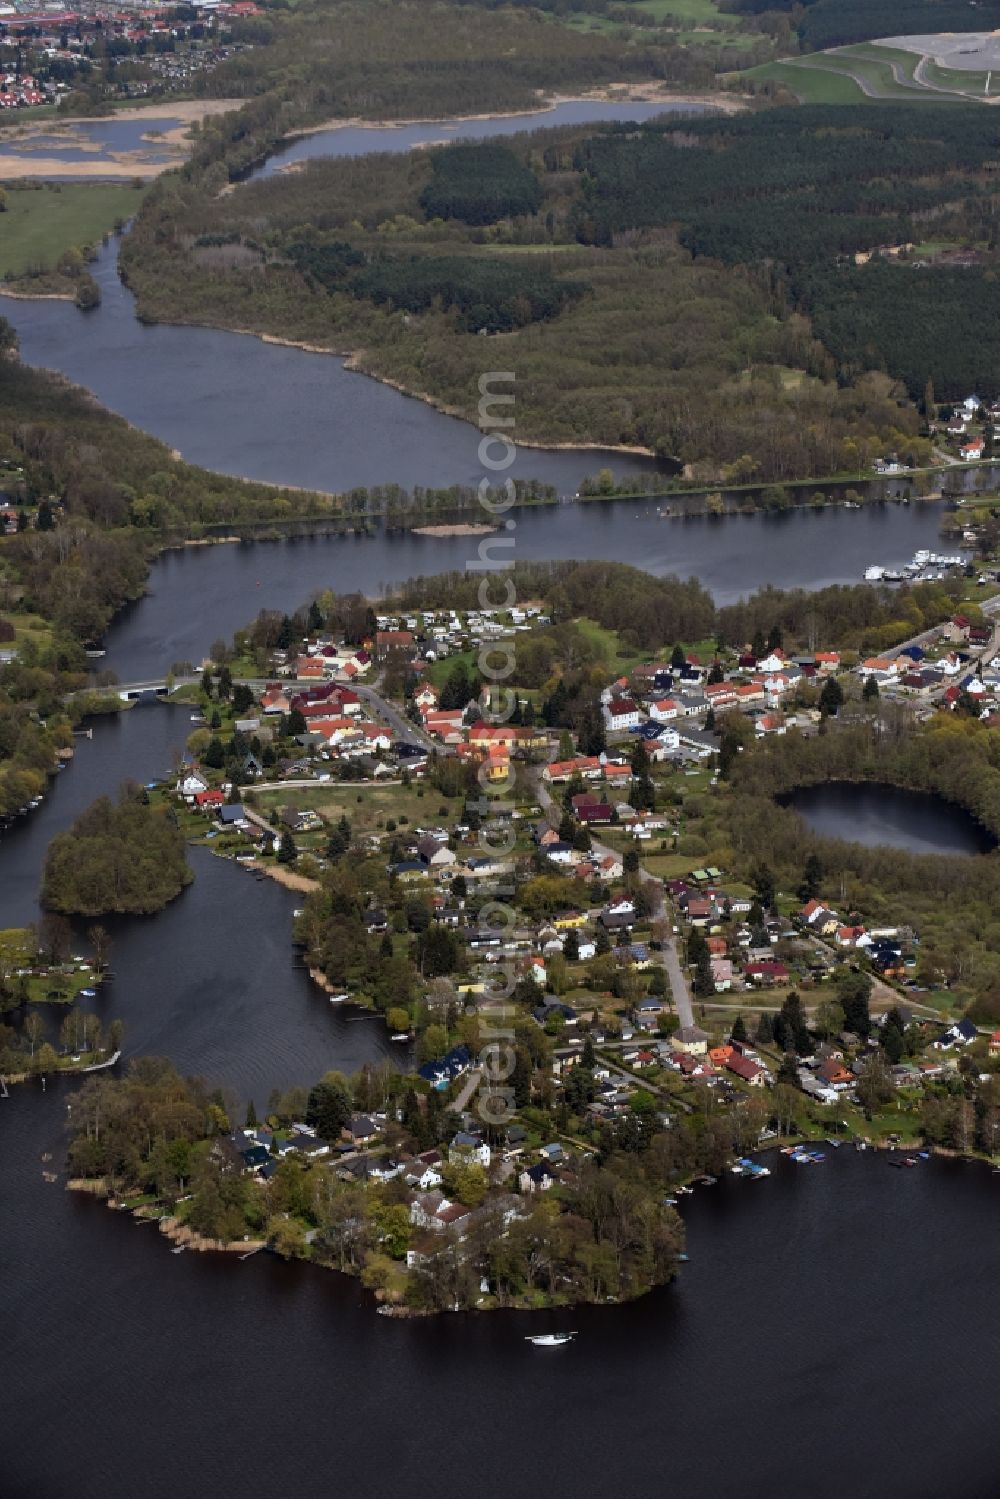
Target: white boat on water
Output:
[
  {"x": 400, "y": 1036},
  {"x": 550, "y": 1339}
]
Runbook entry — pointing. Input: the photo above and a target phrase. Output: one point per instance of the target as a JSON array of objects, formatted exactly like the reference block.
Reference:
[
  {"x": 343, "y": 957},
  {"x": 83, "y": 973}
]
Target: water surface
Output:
[
  {"x": 888, "y": 817},
  {"x": 359, "y": 140},
  {"x": 198, "y": 594}
]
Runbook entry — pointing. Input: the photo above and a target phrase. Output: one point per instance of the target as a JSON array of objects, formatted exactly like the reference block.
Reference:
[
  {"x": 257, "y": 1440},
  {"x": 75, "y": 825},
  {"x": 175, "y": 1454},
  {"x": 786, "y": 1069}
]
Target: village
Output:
[
  {"x": 47, "y": 53},
  {"x": 653, "y": 992}
]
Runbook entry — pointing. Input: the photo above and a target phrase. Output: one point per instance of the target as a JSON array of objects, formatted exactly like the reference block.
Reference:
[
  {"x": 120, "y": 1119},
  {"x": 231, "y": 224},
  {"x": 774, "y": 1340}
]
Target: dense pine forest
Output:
[{"x": 803, "y": 191}]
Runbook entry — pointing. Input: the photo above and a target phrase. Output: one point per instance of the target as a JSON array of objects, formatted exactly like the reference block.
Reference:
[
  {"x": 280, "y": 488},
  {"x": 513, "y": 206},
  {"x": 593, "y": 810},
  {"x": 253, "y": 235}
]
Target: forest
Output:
[
  {"x": 652, "y": 614},
  {"x": 125, "y": 858},
  {"x": 802, "y": 190},
  {"x": 382, "y": 59},
  {"x": 480, "y": 184},
  {"x": 489, "y": 295},
  {"x": 639, "y": 342}
]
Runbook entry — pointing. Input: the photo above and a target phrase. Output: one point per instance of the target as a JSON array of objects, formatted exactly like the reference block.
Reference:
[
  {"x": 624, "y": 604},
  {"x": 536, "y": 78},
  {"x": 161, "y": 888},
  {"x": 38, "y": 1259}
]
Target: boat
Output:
[
  {"x": 88, "y": 993},
  {"x": 550, "y": 1339},
  {"x": 834, "y": 1144},
  {"x": 339, "y": 999},
  {"x": 400, "y": 1036},
  {"x": 178, "y": 1249},
  {"x": 684, "y": 1258}
]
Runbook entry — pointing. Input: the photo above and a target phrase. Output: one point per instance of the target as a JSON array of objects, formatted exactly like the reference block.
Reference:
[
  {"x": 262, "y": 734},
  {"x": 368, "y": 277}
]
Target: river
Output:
[{"x": 199, "y": 594}]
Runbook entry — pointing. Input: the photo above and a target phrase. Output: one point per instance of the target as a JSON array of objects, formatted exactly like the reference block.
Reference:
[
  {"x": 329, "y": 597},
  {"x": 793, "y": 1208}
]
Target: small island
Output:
[{"x": 125, "y": 858}]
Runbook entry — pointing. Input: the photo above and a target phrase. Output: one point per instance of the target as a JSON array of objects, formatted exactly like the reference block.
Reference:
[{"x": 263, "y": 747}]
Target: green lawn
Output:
[
  {"x": 39, "y": 225},
  {"x": 824, "y": 77},
  {"x": 810, "y": 85},
  {"x": 29, "y": 627}
]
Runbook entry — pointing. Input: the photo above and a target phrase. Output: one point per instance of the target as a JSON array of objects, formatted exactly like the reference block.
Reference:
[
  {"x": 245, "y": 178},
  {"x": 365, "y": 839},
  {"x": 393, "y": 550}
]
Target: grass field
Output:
[
  {"x": 810, "y": 84},
  {"x": 30, "y": 627},
  {"x": 367, "y": 809},
  {"x": 38, "y": 226},
  {"x": 849, "y": 75},
  {"x": 697, "y": 14}
]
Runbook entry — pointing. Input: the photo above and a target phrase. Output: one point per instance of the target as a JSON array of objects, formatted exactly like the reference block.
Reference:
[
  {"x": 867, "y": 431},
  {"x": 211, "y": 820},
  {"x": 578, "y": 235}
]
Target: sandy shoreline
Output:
[
  {"x": 459, "y": 529},
  {"x": 111, "y": 169},
  {"x": 36, "y": 296},
  {"x": 286, "y": 877}
]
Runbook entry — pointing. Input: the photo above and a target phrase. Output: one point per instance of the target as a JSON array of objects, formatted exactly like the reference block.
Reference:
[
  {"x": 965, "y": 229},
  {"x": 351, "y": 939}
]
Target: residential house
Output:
[
  {"x": 191, "y": 783},
  {"x": 767, "y": 972},
  {"x": 621, "y": 714},
  {"x": 750, "y": 1071},
  {"x": 470, "y": 1148},
  {"x": 537, "y": 1178},
  {"x": 691, "y": 1039},
  {"x": 434, "y": 853}
]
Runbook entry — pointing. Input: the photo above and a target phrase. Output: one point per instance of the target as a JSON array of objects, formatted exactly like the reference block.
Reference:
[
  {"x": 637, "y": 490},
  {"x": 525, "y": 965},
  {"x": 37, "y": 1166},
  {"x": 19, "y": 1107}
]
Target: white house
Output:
[
  {"x": 191, "y": 784},
  {"x": 465, "y": 1147},
  {"x": 620, "y": 714}
]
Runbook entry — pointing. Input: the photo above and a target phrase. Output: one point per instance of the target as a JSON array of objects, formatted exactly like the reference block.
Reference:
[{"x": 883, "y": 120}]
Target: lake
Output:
[
  {"x": 362, "y": 140},
  {"x": 887, "y": 816},
  {"x": 263, "y": 411},
  {"x": 829, "y": 1316}
]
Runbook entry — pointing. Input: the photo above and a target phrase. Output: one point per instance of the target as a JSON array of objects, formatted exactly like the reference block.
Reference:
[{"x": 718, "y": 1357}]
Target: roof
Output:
[{"x": 743, "y": 1067}]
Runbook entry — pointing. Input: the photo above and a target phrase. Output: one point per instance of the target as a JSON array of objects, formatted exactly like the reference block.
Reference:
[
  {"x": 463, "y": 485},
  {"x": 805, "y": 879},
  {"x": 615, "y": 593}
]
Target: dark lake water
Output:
[
  {"x": 840, "y": 1313},
  {"x": 209, "y": 980},
  {"x": 888, "y": 816}
]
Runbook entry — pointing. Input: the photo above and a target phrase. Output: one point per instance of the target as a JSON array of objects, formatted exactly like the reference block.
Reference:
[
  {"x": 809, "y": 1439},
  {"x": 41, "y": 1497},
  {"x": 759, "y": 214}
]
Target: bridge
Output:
[{"x": 130, "y": 691}]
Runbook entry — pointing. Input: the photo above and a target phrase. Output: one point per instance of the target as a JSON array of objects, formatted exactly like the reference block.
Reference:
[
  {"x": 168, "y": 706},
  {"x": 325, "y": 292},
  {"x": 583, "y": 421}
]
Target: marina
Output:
[{"x": 926, "y": 567}]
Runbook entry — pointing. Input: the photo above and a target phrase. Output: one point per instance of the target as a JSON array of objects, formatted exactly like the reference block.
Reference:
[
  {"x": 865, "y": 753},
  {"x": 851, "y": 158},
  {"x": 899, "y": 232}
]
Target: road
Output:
[
  {"x": 400, "y": 725},
  {"x": 675, "y": 973}
]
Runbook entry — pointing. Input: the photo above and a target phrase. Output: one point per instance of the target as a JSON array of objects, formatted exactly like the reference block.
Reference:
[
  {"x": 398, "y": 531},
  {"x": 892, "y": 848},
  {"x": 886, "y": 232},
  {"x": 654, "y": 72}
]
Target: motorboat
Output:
[{"x": 550, "y": 1339}]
